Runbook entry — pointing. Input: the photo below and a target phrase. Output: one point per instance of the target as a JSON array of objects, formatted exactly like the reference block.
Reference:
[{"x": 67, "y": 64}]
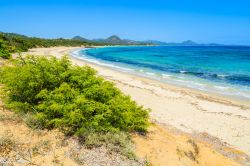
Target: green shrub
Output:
[
  {"x": 4, "y": 53},
  {"x": 72, "y": 98}
]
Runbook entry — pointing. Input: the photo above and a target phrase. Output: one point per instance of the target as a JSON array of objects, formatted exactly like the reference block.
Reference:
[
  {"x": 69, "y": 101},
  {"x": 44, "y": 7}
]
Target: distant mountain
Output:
[
  {"x": 116, "y": 40},
  {"x": 192, "y": 43},
  {"x": 184, "y": 43},
  {"x": 189, "y": 42},
  {"x": 80, "y": 38},
  {"x": 113, "y": 40},
  {"x": 156, "y": 42}
]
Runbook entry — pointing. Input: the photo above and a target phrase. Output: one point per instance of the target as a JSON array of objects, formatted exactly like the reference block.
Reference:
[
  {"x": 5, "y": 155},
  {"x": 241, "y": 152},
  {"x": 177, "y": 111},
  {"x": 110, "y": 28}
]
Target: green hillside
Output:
[{"x": 11, "y": 42}]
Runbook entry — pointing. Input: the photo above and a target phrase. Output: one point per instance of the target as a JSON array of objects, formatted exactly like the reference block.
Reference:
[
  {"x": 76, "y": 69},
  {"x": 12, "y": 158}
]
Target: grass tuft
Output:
[{"x": 7, "y": 144}]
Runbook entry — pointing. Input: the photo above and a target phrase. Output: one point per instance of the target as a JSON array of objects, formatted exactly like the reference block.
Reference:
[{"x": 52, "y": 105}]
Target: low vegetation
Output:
[{"x": 56, "y": 94}]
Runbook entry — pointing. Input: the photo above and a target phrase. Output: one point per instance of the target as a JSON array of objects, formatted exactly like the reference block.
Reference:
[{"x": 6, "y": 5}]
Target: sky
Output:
[{"x": 203, "y": 21}]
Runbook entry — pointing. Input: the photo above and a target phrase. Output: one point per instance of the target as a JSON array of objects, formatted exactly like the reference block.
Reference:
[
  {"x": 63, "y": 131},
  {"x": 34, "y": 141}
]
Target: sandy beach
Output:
[{"x": 198, "y": 113}]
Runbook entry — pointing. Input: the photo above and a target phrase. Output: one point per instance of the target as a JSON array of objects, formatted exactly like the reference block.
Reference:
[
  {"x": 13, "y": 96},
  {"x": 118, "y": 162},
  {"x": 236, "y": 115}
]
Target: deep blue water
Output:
[{"x": 224, "y": 69}]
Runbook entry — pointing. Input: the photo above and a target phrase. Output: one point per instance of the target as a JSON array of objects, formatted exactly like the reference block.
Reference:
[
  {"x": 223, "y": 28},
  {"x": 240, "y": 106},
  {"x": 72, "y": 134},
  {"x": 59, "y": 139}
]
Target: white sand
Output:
[{"x": 188, "y": 110}]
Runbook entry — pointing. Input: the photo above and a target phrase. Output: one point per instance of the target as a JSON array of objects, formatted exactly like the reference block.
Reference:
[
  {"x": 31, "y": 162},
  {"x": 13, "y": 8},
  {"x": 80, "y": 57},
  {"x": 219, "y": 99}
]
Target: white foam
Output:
[
  {"x": 183, "y": 71},
  {"x": 149, "y": 73},
  {"x": 141, "y": 70},
  {"x": 222, "y": 75},
  {"x": 78, "y": 55},
  {"x": 221, "y": 87},
  {"x": 166, "y": 75}
]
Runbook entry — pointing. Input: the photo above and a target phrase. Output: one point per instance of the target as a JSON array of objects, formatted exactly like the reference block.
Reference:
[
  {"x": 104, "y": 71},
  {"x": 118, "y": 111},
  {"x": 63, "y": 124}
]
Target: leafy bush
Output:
[
  {"x": 72, "y": 98},
  {"x": 4, "y": 53}
]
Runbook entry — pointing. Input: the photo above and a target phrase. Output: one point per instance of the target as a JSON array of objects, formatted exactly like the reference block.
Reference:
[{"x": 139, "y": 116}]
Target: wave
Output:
[
  {"x": 234, "y": 79},
  {"x": 79, "y": 54},
  {"x": 166, "y": 75},
  {"x": 183, "y": 71},
  {"x": 222, "y": 75},
  {"x": 150, "y": 73}
]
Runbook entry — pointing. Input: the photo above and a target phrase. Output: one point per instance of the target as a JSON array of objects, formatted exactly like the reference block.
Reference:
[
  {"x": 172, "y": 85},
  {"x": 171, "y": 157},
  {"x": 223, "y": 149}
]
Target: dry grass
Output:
[
  {"x": 7, "y": 144},
  {"x": 191, "y": 153}
]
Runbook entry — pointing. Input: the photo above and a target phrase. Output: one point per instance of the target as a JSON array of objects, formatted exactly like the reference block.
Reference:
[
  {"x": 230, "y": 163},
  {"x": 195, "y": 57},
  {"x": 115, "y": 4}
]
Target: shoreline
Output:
[
  {"x": 187, "y": 110},
  {"x": 222, "y": 94},
  {"x": 215, "y": 96}
]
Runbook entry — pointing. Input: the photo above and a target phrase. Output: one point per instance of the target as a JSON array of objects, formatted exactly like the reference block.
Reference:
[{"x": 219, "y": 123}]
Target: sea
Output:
[{"x": 224, "y": 70}]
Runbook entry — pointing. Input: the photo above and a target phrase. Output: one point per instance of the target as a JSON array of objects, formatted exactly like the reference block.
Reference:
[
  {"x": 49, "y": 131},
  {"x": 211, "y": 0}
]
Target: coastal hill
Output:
[{"x": 14, "y": 43}]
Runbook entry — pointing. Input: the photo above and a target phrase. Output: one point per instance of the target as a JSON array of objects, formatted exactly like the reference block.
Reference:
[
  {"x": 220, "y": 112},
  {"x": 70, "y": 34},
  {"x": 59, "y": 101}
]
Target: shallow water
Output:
[{"x": 223, "y": 70}]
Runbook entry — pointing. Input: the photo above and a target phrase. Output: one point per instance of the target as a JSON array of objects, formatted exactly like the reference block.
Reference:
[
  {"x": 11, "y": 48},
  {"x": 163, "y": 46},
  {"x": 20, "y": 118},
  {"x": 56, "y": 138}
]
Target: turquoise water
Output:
[{"x": 224, "y": 70}]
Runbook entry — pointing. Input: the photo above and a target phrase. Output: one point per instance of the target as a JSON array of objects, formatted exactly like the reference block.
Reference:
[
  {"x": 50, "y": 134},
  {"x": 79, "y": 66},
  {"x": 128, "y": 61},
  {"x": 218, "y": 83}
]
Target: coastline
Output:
[
  {"x": 186, "y": 81},
  {"x": 188, "y": 110},
  {"x": 214, "y": 96}
]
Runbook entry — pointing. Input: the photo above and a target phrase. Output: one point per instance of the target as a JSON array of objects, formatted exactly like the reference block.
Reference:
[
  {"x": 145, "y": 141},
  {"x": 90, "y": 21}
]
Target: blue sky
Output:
[{"x": 221, "y": 21}]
